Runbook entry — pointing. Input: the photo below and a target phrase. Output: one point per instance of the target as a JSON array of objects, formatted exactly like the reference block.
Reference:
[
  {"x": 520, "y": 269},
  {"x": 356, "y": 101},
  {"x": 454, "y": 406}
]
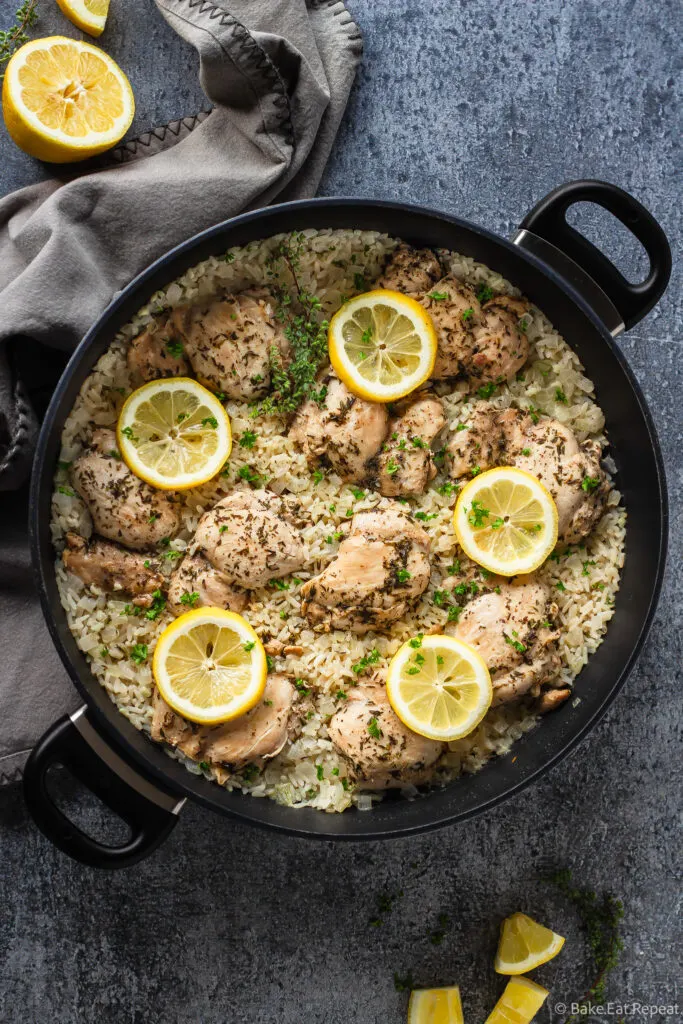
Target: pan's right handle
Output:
[
  {"x": 151, "y": 812},
  {"x": 545, "y": 232}
]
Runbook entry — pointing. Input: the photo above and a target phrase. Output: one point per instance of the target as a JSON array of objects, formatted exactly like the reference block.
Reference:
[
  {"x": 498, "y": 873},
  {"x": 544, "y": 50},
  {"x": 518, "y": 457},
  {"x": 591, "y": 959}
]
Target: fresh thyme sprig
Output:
[
  {"x": 295, "y": 381},
  {"x": 601, "y": 921},
  {"x": 12, "y": 38}
]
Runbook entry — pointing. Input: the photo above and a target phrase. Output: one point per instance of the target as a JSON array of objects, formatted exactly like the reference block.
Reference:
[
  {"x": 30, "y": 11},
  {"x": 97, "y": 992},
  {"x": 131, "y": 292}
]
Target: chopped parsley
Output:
[
  {"x": 454, "y": 569},
  {"x": 486, "y": 390},
  {"x": 128, "y": 432},
  {"x": 392, "y": 467},
  {"x": 466, "y": 315},
  {"x": 190, "y": 599},
  {"x": 332, "y": 537},
  {"x": 447, "y": 488},
  {"x": 526, "y": 451},
  {"x": 358, "y": 493},
  {"x": 497, "y": 523},
  {"x": 333, "y": 509},
  {"x": 454, "y": 612},
  {"x": 279, "y": 584},
  {"x": 341, "y": 695},
  {"x": 153, "y": 518},
  {"x": 402, "y": 575},
  {"x": 478, "y": 514},
  {"x": 424, "y": 517},
  {"x": 157, "y": 606},
  {"x": 461, "y": 426},
  {"x": 318, "y": 477},
  {"x": 249, "y": 474},
  {"x": 104, "y": 652},
  {"x": 224, "y": 528},
  {"x": 586, "y": 567},
  {"x": 175, "y": 349},
  {"x": 359, "y": 282},
  {"x": 67, "y": 491},
  {"x": 204, "y": 765},
  {"x": 374, "y": 729},
  {"x": 485, "y": 293},
  {"x": 300, "y": 685},
  {"x": 138, "y": 653},
  {"x": 249, "y": 645},
  {"x": 249, "y": 772},
  {"x": 437, "y": 296},
  {"x": 320, "y": 772},
  {"x": 560, "y": 396},
  {"x": 517, "y": 644},
  {"x": 210, "y": 421},
  {"x": 170, "y": 556},
  {"x": 417, "y": 442},
  {"x": 475, "y": 471},
  {"x": 589, "y": 483},
  {"x": 248, "y": 439},
  {"x": 560, "y": 585},
  {"x": 416, "y": 642},
  {"x": 370, "y": 659},
  {"x": 182, "y": 416},
  {"x": 440, "y": 598}
]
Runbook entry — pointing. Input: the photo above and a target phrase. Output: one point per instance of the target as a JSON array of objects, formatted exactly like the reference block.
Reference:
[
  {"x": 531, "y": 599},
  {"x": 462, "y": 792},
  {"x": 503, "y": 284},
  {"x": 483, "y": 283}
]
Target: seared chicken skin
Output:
[
  {"x": 511, "y": 633},
  {"x": 157, "y": 352},
  {"x": 395, "y": 757},
  {"x": 405, "y": 465},
  {"x": 410, "y": 271},
  {"x": 111, "y": 568},
  {"x": 570, "y": 471},
  {"x": 251, "y": 537},
  {"x": 477, "y": 443},
  {"x": 347, "y": 430},
  {"x": 123, "y": 508},
  {"x": 380, "y": 570},
  {"x": 230, "y": 342},
  {"x": 196, "y": 584},
  {"x": 252, "y": 738}
]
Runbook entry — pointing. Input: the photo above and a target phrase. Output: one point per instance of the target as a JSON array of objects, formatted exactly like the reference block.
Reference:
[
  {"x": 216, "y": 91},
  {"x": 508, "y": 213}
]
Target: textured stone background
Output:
[{"x": 479, "y": 109}]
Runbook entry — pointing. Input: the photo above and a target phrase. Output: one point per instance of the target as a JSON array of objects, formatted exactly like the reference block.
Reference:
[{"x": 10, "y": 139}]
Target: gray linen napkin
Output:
[{"x": 278, "y": 74}]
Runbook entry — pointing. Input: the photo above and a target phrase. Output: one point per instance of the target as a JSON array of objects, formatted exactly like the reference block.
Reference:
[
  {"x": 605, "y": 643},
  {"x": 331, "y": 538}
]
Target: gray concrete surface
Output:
[{"x": 478, "y": 109}]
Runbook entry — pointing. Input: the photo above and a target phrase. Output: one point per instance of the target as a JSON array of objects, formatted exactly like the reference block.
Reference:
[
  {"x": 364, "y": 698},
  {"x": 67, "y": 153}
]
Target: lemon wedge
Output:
[
  {"x": 65, "y": 100},
  {"x": 174, "y": 434},
  {"x": 439, "y": 687},
  {"x": 525, "y": 944},
  {"x": 506, "y": 520},
  {"x": 519, "y": 1003},
  {"x": 88, "y": 15},
  {"x": 210, "y": 666},
  {"x": 382, "y": 345},
  {"x": 435, "y": 1006}
]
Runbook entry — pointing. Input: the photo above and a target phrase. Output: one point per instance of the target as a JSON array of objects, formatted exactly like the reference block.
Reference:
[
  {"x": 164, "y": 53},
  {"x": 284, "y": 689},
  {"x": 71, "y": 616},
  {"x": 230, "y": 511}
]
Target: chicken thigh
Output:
[
  {"x": 405, "y": 465},
  {"x": 347, "y": 430},
  {"x": 230, "y": 343},
  {"x": 382, "y": 751},
  {"x": 123, "y": 507},
  {"x": 251, "y": 537},
  {"x": 157, "y": 352},
  {"x": 501, "y": 347},
  {"x": 511, "y": 632},
  {"x": 111, "y": 568},
  {"x": 196, "y": 584},
  {"x": 410, "y": 271},
  {"x": 380, "y": 570},
  {"x": 455, "y": 311}
]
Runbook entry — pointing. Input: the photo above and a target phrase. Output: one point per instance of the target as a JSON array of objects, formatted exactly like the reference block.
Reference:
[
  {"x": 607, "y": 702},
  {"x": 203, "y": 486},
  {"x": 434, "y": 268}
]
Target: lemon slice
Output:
[
  {"x": 524, "y": 944},
  {"x": 88, "y": 15},
  {"x": 435, "y": 1006},
  {"x": 65, "y": 100},
  {"x": 174, "y": 434},
  {"x": 382, "y": 345},
  {"x": 210, "y": 666},
  {"x": 519, "y": 1003},
  {"x": 439, "y": 687},
  {"x": 506, "y": 521}
]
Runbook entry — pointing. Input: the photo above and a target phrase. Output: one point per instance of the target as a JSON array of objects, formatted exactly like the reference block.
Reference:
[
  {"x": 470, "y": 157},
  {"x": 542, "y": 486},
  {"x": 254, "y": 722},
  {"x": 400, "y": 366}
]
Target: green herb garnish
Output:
[{"x": 138, "y": 653}]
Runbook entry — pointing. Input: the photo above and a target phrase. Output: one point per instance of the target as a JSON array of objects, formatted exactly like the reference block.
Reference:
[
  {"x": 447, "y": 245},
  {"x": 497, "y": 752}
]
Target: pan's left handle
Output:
[{"x": 150, "y": 811}]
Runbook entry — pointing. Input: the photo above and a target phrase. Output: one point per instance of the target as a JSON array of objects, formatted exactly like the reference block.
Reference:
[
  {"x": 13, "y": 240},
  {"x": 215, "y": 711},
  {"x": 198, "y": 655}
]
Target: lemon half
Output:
[
  {"x": 174, "y": 434},
  {"x": 382, "y": 345},
  {"x": 525, "y": 944},
  {"x": 435, "y": 1006},
  {"x": 88, "y": 15},
  {"x": 519, "y": 1003},
  {"x": 439, "y": 687},
  {"x": 65, "y": 100},
  {"x": 210, "y": 666},
  {"x": 506, "y": 520}
]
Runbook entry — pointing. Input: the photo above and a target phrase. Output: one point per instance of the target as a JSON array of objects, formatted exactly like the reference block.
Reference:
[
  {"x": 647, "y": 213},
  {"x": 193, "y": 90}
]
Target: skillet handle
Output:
[
  {"x": 150, "y": 811},
  {"x": 621, "y": 304}
]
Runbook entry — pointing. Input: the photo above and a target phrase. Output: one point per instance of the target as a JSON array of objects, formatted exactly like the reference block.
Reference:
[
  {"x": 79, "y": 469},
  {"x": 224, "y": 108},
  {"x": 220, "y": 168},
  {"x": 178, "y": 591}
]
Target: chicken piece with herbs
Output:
[
  {"x": 112, "y": 568},
  {"x": 253, "y": 738},
  {"x": 230, "y": 343},
  {"x": 382, "y": 752},
  {"x": 346, "y": 430},
  {"x": 196, "y": 584},
  {"x": 380, "y": 571},
  {"x": 477, "y": 443},
  {"x": 405, "y": 465},
  {"x": 157, "y": 351},
  {"x": 123, "y": 507},
  {"x": 509, "y": 627},
  {"x": 570, "y": 471},
  {"x": 251, "y": 537},
  {"x": 410, "y": 271},
  {"x": 501, "y": 346},
  {"x": 455, "y": 312}
]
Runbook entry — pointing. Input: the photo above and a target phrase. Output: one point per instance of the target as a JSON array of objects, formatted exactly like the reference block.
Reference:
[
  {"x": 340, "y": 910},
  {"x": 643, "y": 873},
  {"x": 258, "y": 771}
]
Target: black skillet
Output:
[{"x": 590, "y": 302}]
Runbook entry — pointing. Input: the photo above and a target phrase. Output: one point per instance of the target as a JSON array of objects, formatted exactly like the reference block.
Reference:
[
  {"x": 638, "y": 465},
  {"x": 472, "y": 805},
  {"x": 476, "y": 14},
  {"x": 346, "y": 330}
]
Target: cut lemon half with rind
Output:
[
  {"x": 210, "y": 666},
  {"x": 525, "y": 944},
  {"x": 174, "y": 434},
  {"x": 382, "y": 345},
  {"x": 65, "y": 100},
  {"x": 506, "y": 521},
  {"x": 520, "y": 1002},
  {"x": 435, "y": 1006},
  {"x": 439, "y": 687},
  {"x": 88, "y": 15}
]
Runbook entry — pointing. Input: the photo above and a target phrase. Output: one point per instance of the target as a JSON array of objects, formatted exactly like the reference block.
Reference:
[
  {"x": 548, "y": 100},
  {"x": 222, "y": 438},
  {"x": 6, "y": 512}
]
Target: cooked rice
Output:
[{"x": 330, "y": 264}]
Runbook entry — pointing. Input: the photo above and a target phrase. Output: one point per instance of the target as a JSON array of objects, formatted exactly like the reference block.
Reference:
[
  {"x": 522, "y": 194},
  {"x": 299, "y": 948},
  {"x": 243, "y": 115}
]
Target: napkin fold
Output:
[{"x": 277, "y": 74}]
